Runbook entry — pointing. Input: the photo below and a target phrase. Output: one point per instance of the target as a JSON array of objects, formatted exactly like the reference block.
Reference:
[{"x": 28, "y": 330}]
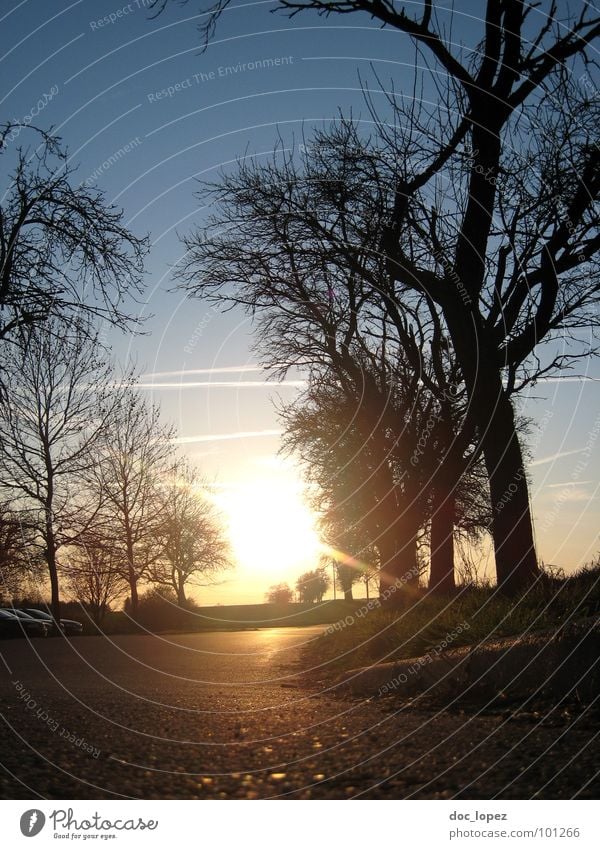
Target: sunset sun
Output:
[{"x": 270, "y": 526}]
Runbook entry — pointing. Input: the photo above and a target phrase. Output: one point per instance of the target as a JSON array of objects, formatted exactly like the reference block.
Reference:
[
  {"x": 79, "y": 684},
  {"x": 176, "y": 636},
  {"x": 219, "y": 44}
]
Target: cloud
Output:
[
  {"x": 219, "y": 437},
  {"x": 569, "y": 494},
  {"x": 556, "y": 456}
]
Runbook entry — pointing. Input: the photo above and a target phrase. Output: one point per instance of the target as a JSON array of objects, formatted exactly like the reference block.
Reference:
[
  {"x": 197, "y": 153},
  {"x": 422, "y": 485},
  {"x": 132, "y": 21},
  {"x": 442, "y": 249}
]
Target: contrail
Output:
[
  {"x": 568, "y": 483},
  {"x": 218, "y": 437},
  {"x": 216, "y": 370},
  {"x": 556, "y": 456},
  {"x": 225, "y": 384}
]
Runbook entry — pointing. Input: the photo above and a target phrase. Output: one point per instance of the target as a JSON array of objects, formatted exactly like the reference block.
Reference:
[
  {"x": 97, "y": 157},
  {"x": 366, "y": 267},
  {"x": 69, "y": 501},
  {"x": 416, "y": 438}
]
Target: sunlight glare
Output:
[{"x": 271, "y": 528}]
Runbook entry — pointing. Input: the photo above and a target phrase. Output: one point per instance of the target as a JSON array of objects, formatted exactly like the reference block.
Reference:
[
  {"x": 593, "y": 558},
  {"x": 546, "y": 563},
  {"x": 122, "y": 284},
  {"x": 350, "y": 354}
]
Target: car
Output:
[
  {"x": 70, "y": 627},
  {"x": 30, "y": 626},
  {"x": 10, "y": 625}
]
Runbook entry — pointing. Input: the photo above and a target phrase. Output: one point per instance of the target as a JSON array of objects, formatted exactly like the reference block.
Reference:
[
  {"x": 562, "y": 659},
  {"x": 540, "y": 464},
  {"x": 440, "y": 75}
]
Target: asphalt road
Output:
[{"x": 222, "y": 715}]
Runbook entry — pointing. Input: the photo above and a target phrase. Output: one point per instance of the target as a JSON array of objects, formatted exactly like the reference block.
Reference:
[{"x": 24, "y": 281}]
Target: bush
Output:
[{"x": 158, "y": 610}]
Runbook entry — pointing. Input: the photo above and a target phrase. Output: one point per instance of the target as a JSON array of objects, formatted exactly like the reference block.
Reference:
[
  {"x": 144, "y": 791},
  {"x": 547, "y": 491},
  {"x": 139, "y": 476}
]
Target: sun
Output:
[{"x": 271, "y": 528}]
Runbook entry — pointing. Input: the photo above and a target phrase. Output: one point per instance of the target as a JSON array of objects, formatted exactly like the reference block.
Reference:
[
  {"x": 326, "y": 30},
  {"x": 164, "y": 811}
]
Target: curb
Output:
[{"x": 552, "y": 664}]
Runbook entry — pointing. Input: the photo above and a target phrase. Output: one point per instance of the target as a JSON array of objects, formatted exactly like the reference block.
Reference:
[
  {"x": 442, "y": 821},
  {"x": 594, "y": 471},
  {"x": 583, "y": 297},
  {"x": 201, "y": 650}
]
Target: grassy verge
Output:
[{"x": 375, "y": 635}]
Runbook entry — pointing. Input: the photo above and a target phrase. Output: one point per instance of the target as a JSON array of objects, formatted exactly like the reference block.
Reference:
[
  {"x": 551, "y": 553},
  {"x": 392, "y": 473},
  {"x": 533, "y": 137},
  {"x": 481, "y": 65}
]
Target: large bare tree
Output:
[{"x": 294, "y": 244}]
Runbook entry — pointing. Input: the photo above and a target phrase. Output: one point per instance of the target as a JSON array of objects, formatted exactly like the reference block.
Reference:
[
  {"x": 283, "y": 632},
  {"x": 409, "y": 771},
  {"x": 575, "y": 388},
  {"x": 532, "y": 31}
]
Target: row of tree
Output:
[
  {"x": 423, "y": 276},
  {"x": 92, "y": 492},
  {"x": 92, "y": 488}
]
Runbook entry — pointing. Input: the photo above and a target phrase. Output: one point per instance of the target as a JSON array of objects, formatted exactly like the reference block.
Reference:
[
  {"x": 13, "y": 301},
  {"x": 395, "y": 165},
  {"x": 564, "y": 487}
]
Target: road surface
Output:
[{"x": 221, "y": 715}]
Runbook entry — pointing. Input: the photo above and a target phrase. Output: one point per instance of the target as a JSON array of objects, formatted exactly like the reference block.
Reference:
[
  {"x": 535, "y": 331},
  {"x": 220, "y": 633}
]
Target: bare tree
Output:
[
  {"x": 193, "y": 543},
  {"x": 128, "y": 477},
  {"x": 93, "y": 574},
  {"x": 63, "y": 249},
  {"x": 294, "y": 245},
  {"x": 372, "y": 472},
  {"x": 494, "y": 216},
  {"x": 53, "y": 419}
]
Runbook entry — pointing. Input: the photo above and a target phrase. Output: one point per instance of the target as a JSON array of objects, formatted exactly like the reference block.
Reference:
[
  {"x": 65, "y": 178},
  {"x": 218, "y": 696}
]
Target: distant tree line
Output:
[
  {"x": 311, "y": 586},
  {"x": 93, "y": 493}
]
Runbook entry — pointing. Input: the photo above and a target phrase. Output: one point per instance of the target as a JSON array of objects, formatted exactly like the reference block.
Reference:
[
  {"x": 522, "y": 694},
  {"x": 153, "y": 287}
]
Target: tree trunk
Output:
[
  {"x": 181, "y": 599},
  {"x": 396, "y": 532},
  {"x": 54, "y": 588},
  {"x": 345, "y": 576},
  {"x": 512, "y": 527},
  {"x": 399, "y": 565},
  {"x": 441, "y": 574},
  {"x": 50, "y": 540},
  {"x": 133, "y": 592},
  {"x": 50, "y": 557},
  {"x": 131, "y": 576}
]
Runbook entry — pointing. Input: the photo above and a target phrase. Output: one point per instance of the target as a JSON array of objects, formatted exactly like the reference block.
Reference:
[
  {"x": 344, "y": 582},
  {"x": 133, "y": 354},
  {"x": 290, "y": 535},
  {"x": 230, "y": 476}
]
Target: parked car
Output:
[
  {"x": 30, "y": 626},
  {"x": 71, "y": 627},
  {"x": 10, "y": 625}
]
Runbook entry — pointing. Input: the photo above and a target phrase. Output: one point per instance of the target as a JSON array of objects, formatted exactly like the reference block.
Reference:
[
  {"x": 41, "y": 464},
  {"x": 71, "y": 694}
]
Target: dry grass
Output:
[{"x": 473, "y": 615}]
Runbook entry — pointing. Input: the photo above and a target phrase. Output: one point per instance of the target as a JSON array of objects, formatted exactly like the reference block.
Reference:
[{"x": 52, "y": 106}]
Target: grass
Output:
[
  {"x": 166, "y": 616},
  {"x": 474, "y": 614},
  {"x": 359, "y": 633}
]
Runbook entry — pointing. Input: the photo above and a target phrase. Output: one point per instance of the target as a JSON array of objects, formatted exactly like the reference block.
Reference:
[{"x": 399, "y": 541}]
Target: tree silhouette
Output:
[
  {"x": 19, "y": 556},
  {"x": 63, "y": 250},
  {"x": 312, "y": 586},
  {"x": 53, "y": 418},
  {"x": 128, "y": 476},
  {"x": 279, "y": 594},
  {"x": 494, "y": 216},
  {"x": 294, "y": 245},
  {"x": 193, "y": 544},
  {"x": 93, "y": 574}
]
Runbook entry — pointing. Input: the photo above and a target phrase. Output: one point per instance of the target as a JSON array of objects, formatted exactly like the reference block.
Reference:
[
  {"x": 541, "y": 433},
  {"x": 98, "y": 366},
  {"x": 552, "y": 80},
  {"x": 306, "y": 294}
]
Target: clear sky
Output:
[{"x": 145, "y": 114}]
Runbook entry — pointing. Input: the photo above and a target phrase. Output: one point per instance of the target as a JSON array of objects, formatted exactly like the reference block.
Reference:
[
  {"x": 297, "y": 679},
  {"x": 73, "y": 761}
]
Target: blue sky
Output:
[{"x": 144, "y": 113}]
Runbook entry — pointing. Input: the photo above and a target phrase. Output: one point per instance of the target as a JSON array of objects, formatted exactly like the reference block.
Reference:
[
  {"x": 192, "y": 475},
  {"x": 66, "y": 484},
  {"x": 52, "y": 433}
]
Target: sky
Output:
[{"x": 145, "y": 115}]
